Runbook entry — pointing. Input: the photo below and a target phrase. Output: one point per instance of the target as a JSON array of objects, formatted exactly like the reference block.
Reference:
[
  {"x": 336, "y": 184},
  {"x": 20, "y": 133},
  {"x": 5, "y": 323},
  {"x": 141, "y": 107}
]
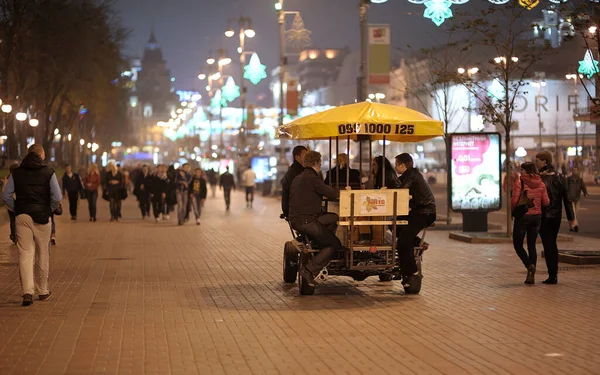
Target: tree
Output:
[
  {"x": 433, "y": 76},
  {"x": 502, "y": 33}
]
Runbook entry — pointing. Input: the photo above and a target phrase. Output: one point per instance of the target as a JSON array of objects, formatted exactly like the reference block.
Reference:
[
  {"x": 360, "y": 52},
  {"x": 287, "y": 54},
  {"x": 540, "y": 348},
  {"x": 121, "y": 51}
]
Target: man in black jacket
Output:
[
  {"x": 421, "y": 215},
  {"x": 295, "y": 169},
  {"x": 306, "y": 194},
  {"x": 227, "y": 182},
  {"x": 32, "y": 192},
  {"x": 71, "y": 186},
  {"x": 558, "y": 192}
]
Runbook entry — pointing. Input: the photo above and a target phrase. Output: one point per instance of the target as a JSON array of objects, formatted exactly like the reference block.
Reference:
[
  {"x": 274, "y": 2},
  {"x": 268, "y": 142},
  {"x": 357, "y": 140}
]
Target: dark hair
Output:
[
  {"x": 405, "y": 159},
  {"x": 67, "y": 165},
  {"x": 298, "y": 150},
  {"x": 184, "y": 164},
  {"x": 529, "y": 167},
  {"x": 391, "y": 180},
  {"x": 544, "y": 156},
  {"x": 36, "y": 149},
  {"x": 311, "y": 158}
]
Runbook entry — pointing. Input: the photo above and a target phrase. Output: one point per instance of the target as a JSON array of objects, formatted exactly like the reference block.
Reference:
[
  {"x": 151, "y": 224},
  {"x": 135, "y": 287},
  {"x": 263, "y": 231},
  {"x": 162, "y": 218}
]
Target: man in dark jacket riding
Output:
[
  {"x": 558, "y": 192},
  {"x": 421, "y": 215},
  {"x": 305, "y": 214},
  {"x": 295, "y": 169}
]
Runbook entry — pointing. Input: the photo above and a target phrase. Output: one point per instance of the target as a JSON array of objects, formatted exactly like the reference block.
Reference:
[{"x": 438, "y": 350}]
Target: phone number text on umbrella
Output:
[{"x": 347, "y": 129}]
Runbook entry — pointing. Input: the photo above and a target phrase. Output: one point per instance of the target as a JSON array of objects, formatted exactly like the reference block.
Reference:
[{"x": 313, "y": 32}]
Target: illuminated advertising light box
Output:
[
  {"x": 260, "y": 166},
  {"x": 475, "y": 172}
]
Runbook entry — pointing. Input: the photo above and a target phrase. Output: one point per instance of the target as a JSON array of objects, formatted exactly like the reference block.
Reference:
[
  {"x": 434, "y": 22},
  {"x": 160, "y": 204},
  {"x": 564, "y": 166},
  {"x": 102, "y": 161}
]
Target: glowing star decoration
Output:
[
  {"x": 218, "y": 101},
  {"x": 230, "y": 91},
  {"x": 529, "y": 4},
  {"x": 298, "y": 36},
  {"x": 588, "y": 65},
  {"x": 438, "y": 11},
  {"x": 255, "y": 71}
]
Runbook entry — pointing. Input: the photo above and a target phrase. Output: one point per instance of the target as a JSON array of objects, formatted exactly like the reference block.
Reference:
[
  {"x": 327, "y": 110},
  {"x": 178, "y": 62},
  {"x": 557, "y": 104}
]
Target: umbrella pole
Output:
[
  {"x": 337, "y": 162},
  {"x": 360, "y": 167},
  {"x": 330, "y": 177},
  {"x": 348, "y": 166},
  {"x": 383, "y": 165},
  {"x": 371, "y": 160}
]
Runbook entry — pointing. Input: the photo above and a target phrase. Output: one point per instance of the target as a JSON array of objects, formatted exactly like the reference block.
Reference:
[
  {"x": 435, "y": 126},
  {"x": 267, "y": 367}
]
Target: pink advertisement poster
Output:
[{"x": 475, "y": 169}]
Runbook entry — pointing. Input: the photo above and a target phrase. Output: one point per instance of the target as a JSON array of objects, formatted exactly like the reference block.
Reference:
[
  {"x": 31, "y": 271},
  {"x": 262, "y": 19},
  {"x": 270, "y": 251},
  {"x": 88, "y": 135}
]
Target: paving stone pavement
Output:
[{"x": 139, "y": 297}]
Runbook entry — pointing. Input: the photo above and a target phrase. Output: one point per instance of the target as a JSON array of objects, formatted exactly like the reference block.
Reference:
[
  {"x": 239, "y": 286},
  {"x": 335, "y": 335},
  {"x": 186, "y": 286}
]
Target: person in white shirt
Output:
[{"x": 248, "y": 182}]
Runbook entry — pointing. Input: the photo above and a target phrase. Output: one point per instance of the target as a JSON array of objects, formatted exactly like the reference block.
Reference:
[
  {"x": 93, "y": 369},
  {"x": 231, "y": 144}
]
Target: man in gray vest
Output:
[{"x": 36, "y": 195}]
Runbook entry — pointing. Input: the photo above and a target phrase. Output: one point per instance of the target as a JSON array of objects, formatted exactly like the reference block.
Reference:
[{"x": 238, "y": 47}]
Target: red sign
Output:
[{"x": 291, "y": 98}]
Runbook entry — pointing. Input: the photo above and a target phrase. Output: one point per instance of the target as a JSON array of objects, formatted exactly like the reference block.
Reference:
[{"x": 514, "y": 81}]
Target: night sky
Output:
[{"x": 188, "y": 29}]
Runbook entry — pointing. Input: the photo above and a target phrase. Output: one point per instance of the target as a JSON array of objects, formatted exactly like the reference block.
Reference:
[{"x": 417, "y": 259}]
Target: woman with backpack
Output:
[{"x": 529, "y": 195}]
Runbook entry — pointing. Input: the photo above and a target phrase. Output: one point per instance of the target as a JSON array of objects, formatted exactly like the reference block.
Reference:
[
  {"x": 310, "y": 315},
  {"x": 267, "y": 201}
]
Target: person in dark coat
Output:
[
  {"x": 295, "y": 169},
  {"x": 381, "y": 166},
  {"x": 159, "y": 186},
  {"x": 115, "y": 184},
  {"x": 558, "y": 192},
  {"x": 227, "y": 182},
  {"x": 198, "y": 193},
  {"x": 72, "y": 186},
  {"x": 342, "y": 164},
  {"x": 211, "y": 176},
  {"x": 576, "y": 187},
  {"x": 142, "y": 190}
]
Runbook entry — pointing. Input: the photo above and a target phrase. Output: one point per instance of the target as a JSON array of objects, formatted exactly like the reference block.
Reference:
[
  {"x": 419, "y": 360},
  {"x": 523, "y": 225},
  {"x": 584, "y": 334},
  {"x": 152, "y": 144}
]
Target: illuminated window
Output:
[
  {"x": 330, "y": 54},
  {"x": 313, "y": 54}
]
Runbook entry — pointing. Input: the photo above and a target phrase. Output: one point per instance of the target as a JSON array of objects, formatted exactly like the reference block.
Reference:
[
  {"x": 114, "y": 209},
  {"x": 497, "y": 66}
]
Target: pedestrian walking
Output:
[
  {"x": 37, "y": 193},
  {"x": 115, "y": 184},
  {"x": 558, "y": 192},
  {"x": 527, "y": 220},
  {"x": 576, "y": 187},
  {"x": 11, "y": 213},
  {"x": 198, "y": 193},
  {"x": 211, "y": 175},
  {"x": 249, "y": 182},
  {"x": 142, "y": 191},
  {"x": 171, "y": 191},
  {"x": 227, "y": 182},
  {"x": 92, "y": 182},
  {"x": 72, "y": 187},
  {"x": 182, "y": 183},
  {"x": 158, "y": 192}
]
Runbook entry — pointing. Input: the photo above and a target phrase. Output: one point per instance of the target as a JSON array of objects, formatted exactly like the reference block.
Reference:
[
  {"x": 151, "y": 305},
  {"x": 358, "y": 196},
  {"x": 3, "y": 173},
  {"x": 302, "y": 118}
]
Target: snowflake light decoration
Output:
[
  {"x": 298, "y": 36},
  {"x": 438, "y": 11},
  {"x": 588, "y": 65},
  {"x": 230, "y": 91},
  {"x": 217, "y": 101},
  {"x": 255, "y": 71}
]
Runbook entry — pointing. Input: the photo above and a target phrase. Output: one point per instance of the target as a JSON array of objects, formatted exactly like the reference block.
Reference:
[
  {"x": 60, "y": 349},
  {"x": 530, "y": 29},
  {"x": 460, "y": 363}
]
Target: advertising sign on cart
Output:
[{"x": 475, "y": 172}]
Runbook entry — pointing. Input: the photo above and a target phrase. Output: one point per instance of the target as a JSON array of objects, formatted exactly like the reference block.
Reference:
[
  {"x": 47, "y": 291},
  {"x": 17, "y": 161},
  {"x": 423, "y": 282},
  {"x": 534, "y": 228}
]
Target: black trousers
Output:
[
  {"x": 249, "y": 193},
  {"x": 406, "y": 235},
  {"x": 549, "y": 233},
  {"x": 528, "y": 225},
  {"x": 92, "y": 198},
  {"x": 144, "y": 203},
  {"x": 115, "y": 208},
  {"x": 73, "y": 200},
  {"x": 227, "y": 194},
  {"x": 12, "y": 216},
  {"x": 158, "y": 206},
  {"x": 322, "y": 231}
]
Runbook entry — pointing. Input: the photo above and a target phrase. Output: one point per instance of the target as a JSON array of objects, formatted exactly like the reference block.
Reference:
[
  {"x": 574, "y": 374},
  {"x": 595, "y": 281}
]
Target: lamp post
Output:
[
  {"x": 245, "y": 30},
  {"x": 221, "y": 62},
  {"x": 6, "y": 109},
  {"x": 574, "y": 78},
  {"x": 539, "y": 83},
  {"x": 470, "y": 72}
]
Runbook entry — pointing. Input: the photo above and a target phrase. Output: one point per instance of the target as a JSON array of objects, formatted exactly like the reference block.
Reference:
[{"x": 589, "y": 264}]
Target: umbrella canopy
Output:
[{"x": 374, "y": 120}]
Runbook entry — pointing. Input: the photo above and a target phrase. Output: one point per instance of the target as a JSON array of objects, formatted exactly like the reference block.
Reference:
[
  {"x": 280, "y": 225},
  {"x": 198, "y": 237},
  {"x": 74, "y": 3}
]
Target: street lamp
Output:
[
  {"x": 202, "y": 76},
  {"x": 81, "y": 142},
  {"x": 21, "y": 116},
  {"x": 592, "y": 29},
  {"x": 575, "y": 92},
  {"x": 34, "y": 122},
  {"x": 210, "y": 61},
  {"x": 6, "y": 108}
]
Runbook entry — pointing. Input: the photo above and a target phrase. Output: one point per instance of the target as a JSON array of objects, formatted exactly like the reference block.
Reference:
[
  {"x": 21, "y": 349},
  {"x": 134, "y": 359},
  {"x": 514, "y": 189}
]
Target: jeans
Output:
[
  {"x": 549, "y": 232},
  {"x": 73, "y": 199},
  {"x": 144, "y": 204},
  {"x": 115, "y": 208},
  {"x": 92, "y": 198},
  {"x": 33, "y": 242},
  {"x": 196, "y": 204},
  {"x": 12, "y": 216},
  {"x": 213, "y": 189},
  {"x": 158, "y": 206},
  {"x": 182, "y": 199},
  {"x": 527, "y": 225},
  {"x": 322, "y": 231},
  {"x": 227, "y": 194},
  {"x": 249, "y": 194},
  {"x": 406, "y": 240}
]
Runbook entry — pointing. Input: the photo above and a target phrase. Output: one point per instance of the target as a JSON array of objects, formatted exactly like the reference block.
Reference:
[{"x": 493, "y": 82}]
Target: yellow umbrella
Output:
[{"x": 374, "y": 120}]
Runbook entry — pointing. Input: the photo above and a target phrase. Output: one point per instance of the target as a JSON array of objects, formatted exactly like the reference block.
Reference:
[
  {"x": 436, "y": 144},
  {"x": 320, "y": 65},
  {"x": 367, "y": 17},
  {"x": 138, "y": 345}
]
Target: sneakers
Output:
[
  {"x": 307, "y": 276},
  {"x": 530, "y": 274},
  {"x": 551, "y": 280},
  {"x": 576, "y": 228},
  {"x": 53, "y": 239},
  {"x": 27, "y": 300},
  {"x": 45, "y": 297}
]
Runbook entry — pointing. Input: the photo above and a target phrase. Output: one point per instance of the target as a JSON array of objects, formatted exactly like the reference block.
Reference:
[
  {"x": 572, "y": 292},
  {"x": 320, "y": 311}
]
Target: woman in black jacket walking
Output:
[
  {"x": 115, "y": 185},
  {"x": 158, "y": 192}
]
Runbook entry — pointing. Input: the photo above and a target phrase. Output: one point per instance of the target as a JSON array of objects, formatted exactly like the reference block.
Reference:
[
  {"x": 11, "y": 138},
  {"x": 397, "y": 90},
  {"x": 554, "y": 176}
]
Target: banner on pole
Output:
[
  {"x": 291, "y": 98},
  {"x": 379, "y": 54}
]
